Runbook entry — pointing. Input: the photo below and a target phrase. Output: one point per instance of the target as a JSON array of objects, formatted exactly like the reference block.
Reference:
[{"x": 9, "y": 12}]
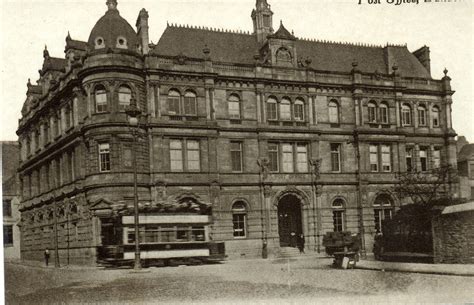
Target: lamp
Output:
[{"x": 133, "y": 114}]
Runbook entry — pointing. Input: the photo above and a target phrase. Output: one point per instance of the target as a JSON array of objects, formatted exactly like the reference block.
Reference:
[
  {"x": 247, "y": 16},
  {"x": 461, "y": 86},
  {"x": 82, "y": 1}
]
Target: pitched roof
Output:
[
  {"x": 282, "y": 33},
  {"x": 467, "y": 152},
  {"x": 240, "y": 48},
  {"x": 75, "y": 44},
  {"x": 54, "y": 63}
]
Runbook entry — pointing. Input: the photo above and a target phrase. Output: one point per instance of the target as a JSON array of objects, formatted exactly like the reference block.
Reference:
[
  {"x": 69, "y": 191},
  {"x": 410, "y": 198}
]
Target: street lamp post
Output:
[{"x": 133, "y": 114}]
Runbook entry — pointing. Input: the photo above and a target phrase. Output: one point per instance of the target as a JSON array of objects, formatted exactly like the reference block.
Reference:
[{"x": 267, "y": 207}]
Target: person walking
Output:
[{"x": 46, "y": 256}]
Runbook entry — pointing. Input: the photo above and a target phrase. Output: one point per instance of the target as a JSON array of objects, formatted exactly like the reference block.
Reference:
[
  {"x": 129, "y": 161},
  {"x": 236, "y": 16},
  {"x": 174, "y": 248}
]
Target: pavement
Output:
[{"x": 443, "y": 269}]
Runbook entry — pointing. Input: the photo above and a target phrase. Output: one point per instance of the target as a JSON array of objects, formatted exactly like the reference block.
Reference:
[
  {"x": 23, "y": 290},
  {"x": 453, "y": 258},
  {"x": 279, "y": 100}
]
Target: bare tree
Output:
[{"x": 426, "y": 188}]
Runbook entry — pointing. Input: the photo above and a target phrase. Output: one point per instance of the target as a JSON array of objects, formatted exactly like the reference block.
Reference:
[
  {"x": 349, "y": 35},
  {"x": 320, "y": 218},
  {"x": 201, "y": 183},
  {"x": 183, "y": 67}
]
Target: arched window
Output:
[
  {"x": 271, "y": 109},
  {"x": 383, "y": 113},
  {"x": 234, "y": 107},
  {"x": 372, "y": 110},
  {"x": 338, "y": 214},
  {"x": 435, "y": 116},
  {"x": 100, "y": 99},
  {"x": 383, "y": 208},
  {"x": 190, "y": 106},
  {"x": 173, "y": 102},
  {"x": 333, "y": 112},
  {"x": 299, "y": 110},
  {"x": 124, "y": 96},
  {"x": 421, "y": 115},
  {"x": 239, "y": 219},
  {"x": 406, "y": 115},
  {"x": 285, "y": 109}
]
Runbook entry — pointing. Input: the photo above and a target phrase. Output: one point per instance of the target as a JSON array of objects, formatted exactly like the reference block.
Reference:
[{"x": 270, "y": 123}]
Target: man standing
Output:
[
  {"x": 301, "y": 243},
  {"x": 46, "y": 256}
]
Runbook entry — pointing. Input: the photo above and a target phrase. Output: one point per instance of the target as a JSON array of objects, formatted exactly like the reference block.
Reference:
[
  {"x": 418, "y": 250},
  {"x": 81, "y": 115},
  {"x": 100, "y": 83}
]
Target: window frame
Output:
[
  {"x": 410, "y": 157},
  {"x": 372, "y": 112},
  {"x": 101, "y": 104},
  {"x": 335, "y": 152},
  {"x": 435, "y": 116},
  {"x": 299, "y": 115},
  {"x": 273, "y": 152},
  {"x": 239, "y": 219},
  {"x": 173, "y": 98},
  {"x": 333, "y": 111},
  {"x": 421, "y": 111},
  {"x": 285, "y": 103},
  {"x": 423, "y": 165},
  {"x": 273, "y": 102},
  {"x": 190, "y": 97},
  {"x": 338, "y": 215},
  {"x": 384, "y": 113},
  {"x": 124, "y": 96},
  {"x": 406, "y": 115},
  {"x": 184, "y": 155},
  {"x": 104, "y": 158},
  {"x": 235, "y": 110},
  {"x": 238, "y": 151},
  {"x": 374, "y": 158}
]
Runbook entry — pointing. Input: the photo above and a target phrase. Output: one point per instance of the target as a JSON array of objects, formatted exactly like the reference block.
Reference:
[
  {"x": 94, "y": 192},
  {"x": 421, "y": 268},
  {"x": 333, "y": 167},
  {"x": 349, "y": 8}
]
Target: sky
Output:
[{"x": 446, "y": 27}]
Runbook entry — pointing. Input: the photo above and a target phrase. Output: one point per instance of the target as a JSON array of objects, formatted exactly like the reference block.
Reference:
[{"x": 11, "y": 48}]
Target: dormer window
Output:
[
  {"x": 99, "y": 43},
  {"x": 283, "y": 56},
  {"x": 121, "y": 43}
]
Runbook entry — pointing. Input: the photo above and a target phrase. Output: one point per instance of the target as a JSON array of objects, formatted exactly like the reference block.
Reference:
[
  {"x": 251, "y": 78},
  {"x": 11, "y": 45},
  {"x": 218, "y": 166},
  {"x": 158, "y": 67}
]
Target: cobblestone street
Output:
[{"x": 305, "y": 280}]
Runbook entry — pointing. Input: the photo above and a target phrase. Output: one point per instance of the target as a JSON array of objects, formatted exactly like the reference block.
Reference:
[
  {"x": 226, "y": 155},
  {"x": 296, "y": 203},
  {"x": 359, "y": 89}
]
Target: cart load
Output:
[{"x": 344, "y": 246}]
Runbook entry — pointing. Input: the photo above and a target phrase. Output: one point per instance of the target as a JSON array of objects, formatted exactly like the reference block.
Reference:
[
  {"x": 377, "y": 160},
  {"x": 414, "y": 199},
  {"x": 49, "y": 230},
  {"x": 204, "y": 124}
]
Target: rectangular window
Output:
[
  {"x": 273, "y": 157},
  {"x": 238, "y": 221},
  {"x": 58, "y": 172},
  {"x": 421, "y": 116},
  {"x": 372, "y": 116},
  {"x": 271, "y": 111},
  {"x": 104, "y": 157},
  {"x": 423, "y": 159},
  {"x": 386, "y": 162},
  {"x": 436, "y": 157},
  {"x": 8, "y": 235},
  {"x": 70, "y": 165},
  {"x": 101, "y": 102},
  {"x": 266, "y": 21},
  {"x": 338, "y": 220},
  {"x": 192, "y": 153},
  {"x": 335, "y": 157},
  {"x": 285, "y": 111},
  {"x": 190, "y": 105},
  {"x": 173, "y": 105},
  {"x": 287, "y": 158},
  {"x": 374, "y": 158},
  {"x": 409, "y": 158},
  {"x": 7, "y": 207},
  {"x": 176, "y": 155},
  {"x": 234, "y": 110},
  {"x": 236, "y": 156},
  {"x": 299, "y": 112},
  {"x": 384, "y": 114},
  {"x": 301, "y": 158},
  {"x": 379, "y": 216}
]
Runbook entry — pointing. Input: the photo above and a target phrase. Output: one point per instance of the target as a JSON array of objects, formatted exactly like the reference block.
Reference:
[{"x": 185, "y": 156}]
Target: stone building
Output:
[
  {"x": 282, "y": 135},
  {"x": 466, "y": 169},
  {"x": 11, "y": 199}
]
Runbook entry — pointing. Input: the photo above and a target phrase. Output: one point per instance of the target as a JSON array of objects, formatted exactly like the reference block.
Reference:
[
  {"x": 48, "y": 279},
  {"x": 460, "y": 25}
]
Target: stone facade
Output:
[
  {"x": 228, "y": 117},
  {"x": 453, "y": 235},
  {"x": 11, "y": 199}
]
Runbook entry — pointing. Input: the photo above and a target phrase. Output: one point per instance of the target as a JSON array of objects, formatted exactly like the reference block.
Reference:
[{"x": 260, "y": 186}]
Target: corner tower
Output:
[{"x": 262, "y": 20}]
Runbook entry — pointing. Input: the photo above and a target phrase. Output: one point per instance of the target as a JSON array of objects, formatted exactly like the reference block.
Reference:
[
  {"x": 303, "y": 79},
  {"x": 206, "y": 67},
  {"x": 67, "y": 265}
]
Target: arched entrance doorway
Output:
[{"x": 289, "y": 220}]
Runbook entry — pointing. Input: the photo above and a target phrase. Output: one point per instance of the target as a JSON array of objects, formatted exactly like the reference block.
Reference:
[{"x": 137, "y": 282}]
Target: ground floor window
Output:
[
  {"x": 239, "y": 219},
  {"x": 338, "y": 215},
  {"x": 383, "y": 208},
  {"x": 8, "y": 235}
]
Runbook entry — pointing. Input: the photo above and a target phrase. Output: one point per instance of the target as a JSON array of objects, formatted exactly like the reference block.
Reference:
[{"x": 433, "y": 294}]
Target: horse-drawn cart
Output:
[{"x": 344, "y": 246}]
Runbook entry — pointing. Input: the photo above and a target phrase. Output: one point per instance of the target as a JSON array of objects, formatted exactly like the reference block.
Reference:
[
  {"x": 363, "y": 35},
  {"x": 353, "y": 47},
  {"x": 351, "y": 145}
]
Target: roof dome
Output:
[{"x": 113, "y": 31}]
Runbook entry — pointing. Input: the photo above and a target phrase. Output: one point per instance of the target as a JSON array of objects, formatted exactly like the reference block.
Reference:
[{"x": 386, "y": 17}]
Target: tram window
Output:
[
  {"x": 151, "y": 234},
  {"x": 182, "y": 233},
  {"x": 167, "y": 234},
  {"x": 198, "y": 234}
]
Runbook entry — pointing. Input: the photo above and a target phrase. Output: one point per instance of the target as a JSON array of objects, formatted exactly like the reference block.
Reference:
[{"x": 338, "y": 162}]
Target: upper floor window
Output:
[
  {"x": 299, "y": 110},
  {"x": 68, "y": 115},
  {"x": 173, "y": 102},
  {"x": 190, "y": 103},
  {"x": 7, "y": 207},
  {"x": 436, "y": 157},
  {"x": 293, "y": 155},
  {"x": 380, "y": 157},
  {"x": 374, "y": 158},
  {"x": 424, "y": 159},
  {"x": 338, "y": 215},
  {"x": 421, "y": 116},
  {"x": 383, "y": 110},
  {"x": 104, "y": 157},
  {"x": 435, "y": 116},
  {"x": 285, "y": 109},
  {"x": 234, "y": 107},
  {"x": 100, "y": 99},
  {"x": 239, "y": 219},
  {"x": 406, "y": 115},
  {"x": 333, "y": 112},
  {"x": 272, "y": 109},
  {"x": 184, "y": 155},
  {"x": 7, "y": 235},
  {"x": 335, "y": 157},
  {"x": 409, "y": 159},
  {"x": 236, "y": 155},
  {"x": 266, "y": 21},
  {"x": 124, "y": 96},
  {"x": 372, "y": 112}
]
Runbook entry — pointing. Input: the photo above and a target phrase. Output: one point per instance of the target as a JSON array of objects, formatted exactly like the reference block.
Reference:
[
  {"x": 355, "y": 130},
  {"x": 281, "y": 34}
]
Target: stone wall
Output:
[{"x": 453, "y": 238}]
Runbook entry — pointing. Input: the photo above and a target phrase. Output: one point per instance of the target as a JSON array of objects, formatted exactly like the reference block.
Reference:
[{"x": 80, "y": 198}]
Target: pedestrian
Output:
[
  {"x": 301, "y": 243},
  {"x": 46, "y": 256}
]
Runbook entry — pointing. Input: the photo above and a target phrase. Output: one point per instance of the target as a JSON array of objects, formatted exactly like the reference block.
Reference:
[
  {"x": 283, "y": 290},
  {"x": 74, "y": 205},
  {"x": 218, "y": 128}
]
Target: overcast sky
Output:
[{"x": 447, "y": 28}]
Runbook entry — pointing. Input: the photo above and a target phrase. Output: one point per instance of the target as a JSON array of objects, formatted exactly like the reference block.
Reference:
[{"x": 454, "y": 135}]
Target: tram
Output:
[{"x": 165, "y": 239}]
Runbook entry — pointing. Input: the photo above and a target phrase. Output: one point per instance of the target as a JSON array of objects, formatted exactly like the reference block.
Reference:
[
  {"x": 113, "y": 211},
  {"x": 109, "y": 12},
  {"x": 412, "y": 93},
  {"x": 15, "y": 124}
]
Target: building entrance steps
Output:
[{"x": 286, "y": 252}]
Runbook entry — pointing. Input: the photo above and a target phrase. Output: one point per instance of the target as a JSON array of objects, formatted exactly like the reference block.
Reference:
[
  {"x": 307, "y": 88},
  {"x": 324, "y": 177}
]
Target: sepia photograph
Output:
[{"x": 237, "y": 151}]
